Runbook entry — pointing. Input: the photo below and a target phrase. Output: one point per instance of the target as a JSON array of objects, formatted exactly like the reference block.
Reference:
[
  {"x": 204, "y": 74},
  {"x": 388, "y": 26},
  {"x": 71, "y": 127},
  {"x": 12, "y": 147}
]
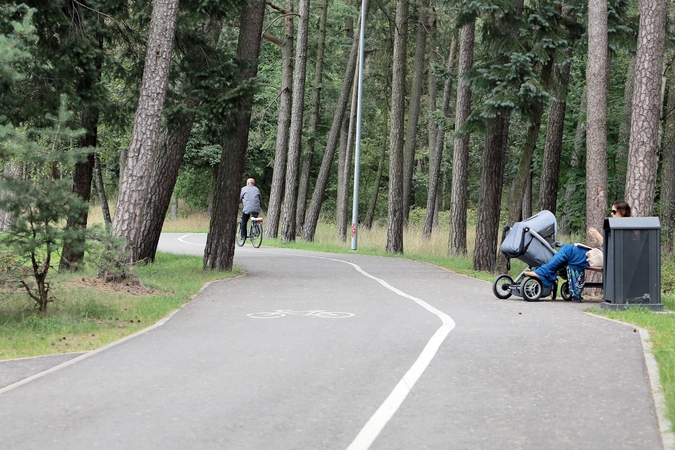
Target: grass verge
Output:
[{"x": 87, "y": 315}]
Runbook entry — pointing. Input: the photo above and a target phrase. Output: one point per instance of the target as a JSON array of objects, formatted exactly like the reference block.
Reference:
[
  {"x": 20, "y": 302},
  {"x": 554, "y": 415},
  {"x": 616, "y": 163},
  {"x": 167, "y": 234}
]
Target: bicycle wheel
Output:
[
  {"x": 240, "y": 241},
  {"x": 256, "y": 234}
]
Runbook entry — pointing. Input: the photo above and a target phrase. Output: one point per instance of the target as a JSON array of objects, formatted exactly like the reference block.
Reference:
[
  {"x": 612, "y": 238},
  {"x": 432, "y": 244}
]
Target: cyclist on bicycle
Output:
[{"x": 250, "y": 198}]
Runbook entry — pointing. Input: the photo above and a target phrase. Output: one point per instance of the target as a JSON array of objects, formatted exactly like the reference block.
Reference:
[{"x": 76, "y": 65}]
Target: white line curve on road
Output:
[
  {"x": 388, "y": 408},
  {"x": 180, "y": 239}
]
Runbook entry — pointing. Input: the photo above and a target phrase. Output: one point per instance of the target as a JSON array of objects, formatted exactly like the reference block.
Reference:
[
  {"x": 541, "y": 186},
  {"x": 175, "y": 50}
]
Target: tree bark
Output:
[
  {"x": 489, "y": 201},
  {"x": 169, "y": 152},
  {"x": 432, "y": 88},
  {"x": 396, "y": 133},
  {"x": 169, "y": 156},
  {"x": 72, "y": 254},
  {"x": 345, "y": 167},
  {"x": 436, "y": 156},
  {"x": 548, "y": 186},
  {"x": 525, "y": 166},
  {"x": 220, "y": 242},
  {"x": 283, "y": 127},
  {"x": 596, "y": 118},
  {"x": 100, "y": 190},
  {"x": 370, "y": 214},
  {"x": 644, "y": 132},
  {"x": 575, "y": 161},
  {"x": 668, "y": 171},
  {"x": 621, "y": 157},
  {"x": 414, "y": 108},
  {"x": 133, "y": 191},
  {"x": 460, "y": 163},
  {"x": 10, "y": 169},
  {"x": 526, "y": 210},
  {"x": 297, "y": 111},
  {"x": 312, "y": 218},
  {"x": 303, "y": 188}
]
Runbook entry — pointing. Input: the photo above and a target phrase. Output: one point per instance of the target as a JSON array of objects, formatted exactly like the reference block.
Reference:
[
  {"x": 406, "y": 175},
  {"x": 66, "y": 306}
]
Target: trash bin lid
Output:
[{"x": 632, "y": 223}]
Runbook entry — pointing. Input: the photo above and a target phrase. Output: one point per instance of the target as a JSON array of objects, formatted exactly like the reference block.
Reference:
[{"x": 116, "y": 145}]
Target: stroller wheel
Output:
[
  {"x": 501, "y": 287},
  {"x": 565, "y": 291},
  {"x": 531, "y": 289}
]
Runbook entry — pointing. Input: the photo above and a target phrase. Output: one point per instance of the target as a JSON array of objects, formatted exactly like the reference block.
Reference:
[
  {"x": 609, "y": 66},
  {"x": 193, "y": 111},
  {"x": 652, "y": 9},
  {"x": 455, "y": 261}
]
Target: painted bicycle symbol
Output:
[{"x": 311, "y": 313}]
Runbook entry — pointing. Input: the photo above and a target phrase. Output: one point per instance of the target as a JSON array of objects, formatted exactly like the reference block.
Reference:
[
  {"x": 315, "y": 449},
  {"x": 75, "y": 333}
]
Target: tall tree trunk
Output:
[
  {"x": 10, "y": 169},
  {"x": 489, "y": 201},
  {"x": 344, "y": 175},
  {"x": 460, "y": 162},
  {"x": 432, "y": 126},
  {"x": 312, "y": 218},
  {"x": 220, "y": 242},
  {"x": 72, "y": 254},
  {"x": 548, "y": 185},
  {"x": 303, "y": 188},
  {"x": 525, "y": 166},
  {"x": 575, "y": 162},
  {"x": 668, "y": 171},
  {"x": 644, "y": 132},
  {"x": 133, "y": 190},
  {"x": 370, "y": 214},
  {"x": 283, "y": 127},
  {"x": 169, "y": 151},
  {"x": 100, "y": 190},
  {"x": 297, "y": 111},
  {"x": 396, "y": 134},
  {"x": 436, "y": 156},
  {"x": 596, "y": 118},
  {"x": 414, "y": 108},
  {"x": 526, "y": 210},
  {"x": 621, "y": 162},
  {"x": 168, "y": 159},
  {"x": 173, "y": 207}
]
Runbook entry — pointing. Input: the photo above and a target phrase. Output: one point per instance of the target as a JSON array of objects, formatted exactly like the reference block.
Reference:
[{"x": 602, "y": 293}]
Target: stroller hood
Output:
[{"x": 532, "y": 240}]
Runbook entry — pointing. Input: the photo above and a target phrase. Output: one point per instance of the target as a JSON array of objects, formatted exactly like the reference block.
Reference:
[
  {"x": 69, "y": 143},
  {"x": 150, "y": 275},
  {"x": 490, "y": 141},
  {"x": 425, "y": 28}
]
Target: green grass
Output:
[{"x": 88, "y": 315}]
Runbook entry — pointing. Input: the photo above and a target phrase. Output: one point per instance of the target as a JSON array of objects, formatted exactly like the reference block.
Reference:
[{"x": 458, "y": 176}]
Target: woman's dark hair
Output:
[{"x": 622, "y": 207}]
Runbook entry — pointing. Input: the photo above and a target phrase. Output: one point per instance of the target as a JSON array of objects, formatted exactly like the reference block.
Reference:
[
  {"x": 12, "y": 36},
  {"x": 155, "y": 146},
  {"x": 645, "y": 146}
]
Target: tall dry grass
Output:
[{"x": 187, "y": 221}]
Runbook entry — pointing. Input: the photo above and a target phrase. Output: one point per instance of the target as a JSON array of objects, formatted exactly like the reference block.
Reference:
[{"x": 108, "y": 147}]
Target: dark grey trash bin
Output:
[{"x": 632, "y": 267}]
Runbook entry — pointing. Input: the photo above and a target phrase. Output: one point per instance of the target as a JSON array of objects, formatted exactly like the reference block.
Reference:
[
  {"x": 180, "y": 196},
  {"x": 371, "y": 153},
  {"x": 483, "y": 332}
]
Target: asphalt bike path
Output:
[{"x": 325, "y": 351}]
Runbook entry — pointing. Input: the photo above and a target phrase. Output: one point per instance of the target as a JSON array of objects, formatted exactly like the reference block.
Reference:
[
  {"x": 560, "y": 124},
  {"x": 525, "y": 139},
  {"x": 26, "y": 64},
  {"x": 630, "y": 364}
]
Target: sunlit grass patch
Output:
[{"x": 88, "y": 314}]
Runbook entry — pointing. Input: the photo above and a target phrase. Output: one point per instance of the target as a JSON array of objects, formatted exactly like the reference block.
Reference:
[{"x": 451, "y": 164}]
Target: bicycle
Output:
[{"x": 255, "y": 232}]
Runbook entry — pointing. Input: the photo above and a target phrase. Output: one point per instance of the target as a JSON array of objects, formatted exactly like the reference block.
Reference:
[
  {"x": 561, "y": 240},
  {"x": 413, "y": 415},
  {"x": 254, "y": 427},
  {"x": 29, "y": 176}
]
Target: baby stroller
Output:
[{"x": 532, "y": 241}]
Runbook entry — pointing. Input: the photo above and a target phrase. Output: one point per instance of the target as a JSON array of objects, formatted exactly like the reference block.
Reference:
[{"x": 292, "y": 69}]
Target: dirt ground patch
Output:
[{"x": 131, "y": 287}]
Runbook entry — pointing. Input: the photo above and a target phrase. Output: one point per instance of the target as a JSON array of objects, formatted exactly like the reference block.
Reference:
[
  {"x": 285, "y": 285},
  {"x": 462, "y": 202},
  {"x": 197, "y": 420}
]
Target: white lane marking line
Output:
[
  {"x": 311, "y": 313},
  {"x": 64, "y": 364},
  {"x": 70, "y": 362},
  {"x": 180, "y": 239},
  {"x": 388, "y": 408}
]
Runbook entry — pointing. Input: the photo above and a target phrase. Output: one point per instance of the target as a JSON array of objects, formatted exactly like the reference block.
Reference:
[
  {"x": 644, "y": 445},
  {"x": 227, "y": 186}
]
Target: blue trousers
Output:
[{"x": 569, "y": 255}]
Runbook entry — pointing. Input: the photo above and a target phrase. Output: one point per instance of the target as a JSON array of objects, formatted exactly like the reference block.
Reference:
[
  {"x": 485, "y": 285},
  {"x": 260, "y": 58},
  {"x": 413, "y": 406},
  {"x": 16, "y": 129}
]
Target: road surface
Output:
[{"x": 325, "y": 351}]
